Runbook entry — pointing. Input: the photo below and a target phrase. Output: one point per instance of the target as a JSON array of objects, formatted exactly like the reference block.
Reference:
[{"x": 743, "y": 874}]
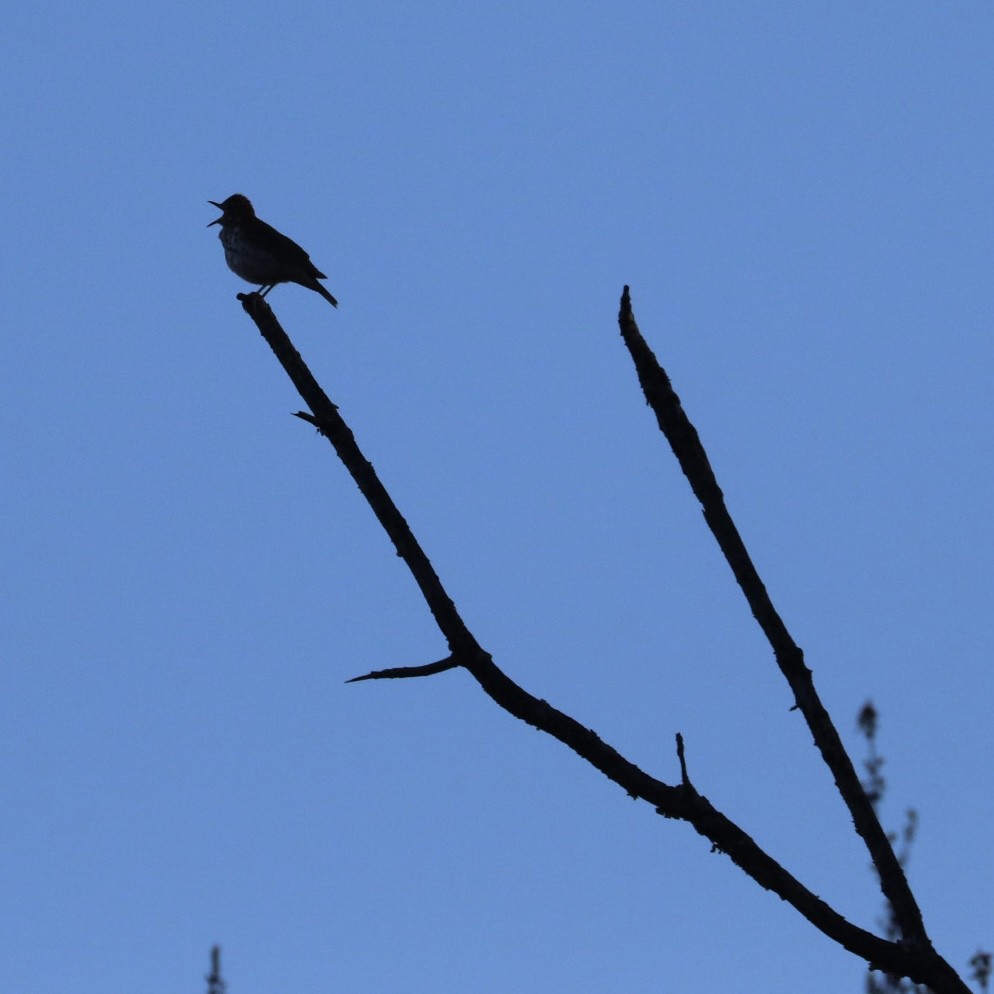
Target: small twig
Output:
[
  {"x": 215, "y": 983},
  {"x": 400, "y": 672},
  {"x": 310, "y": 419},
  {"x": 683, "y": 763}
]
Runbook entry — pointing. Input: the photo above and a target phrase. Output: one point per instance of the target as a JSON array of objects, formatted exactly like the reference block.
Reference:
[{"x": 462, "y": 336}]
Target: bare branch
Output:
[
  {"x": 686, "y": 446},
  {"x": 330, "y": 423},
  {"x": 683, "y": 802},
  {"x": 400, "y": 672}
]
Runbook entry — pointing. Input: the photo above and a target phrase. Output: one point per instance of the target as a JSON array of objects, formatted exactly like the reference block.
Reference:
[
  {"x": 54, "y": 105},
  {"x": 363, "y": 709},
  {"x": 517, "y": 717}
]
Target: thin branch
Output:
[
  {"x": 686, "y": 445},
  {"x": 401, "y": 672},
  {"x": 331, "y": 424}
]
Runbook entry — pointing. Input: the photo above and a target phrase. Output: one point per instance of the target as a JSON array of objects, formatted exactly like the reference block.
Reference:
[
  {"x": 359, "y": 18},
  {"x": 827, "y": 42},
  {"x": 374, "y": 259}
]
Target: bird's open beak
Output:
[{"x": 219, "y": 207}]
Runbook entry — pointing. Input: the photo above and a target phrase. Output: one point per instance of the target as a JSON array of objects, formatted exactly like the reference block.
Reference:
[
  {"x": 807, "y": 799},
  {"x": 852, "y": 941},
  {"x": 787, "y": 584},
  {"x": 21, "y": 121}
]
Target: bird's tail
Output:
[{"x": 324, "y": 293}]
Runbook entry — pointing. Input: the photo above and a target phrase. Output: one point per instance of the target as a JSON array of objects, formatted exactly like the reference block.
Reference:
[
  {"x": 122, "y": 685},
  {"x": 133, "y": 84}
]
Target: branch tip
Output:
[{"x": 626, "y": 305}]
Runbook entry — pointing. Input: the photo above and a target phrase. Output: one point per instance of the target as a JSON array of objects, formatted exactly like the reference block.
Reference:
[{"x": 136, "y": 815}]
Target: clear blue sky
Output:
[{"x": 800, "y": 198}]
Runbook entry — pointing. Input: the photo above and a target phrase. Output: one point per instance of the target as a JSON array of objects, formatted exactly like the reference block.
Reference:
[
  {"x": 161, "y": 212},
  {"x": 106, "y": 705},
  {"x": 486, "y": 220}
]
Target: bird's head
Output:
[{"x": 236, "y": 208}]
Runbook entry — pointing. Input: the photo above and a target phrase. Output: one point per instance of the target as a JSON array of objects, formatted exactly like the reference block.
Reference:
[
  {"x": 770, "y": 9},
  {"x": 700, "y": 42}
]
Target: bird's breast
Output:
[{"x": 248, "y": 259}]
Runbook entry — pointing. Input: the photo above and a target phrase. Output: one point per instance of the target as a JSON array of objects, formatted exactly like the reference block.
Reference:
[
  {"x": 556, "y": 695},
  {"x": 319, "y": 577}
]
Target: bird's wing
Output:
[{"x": 286, "y": 247}]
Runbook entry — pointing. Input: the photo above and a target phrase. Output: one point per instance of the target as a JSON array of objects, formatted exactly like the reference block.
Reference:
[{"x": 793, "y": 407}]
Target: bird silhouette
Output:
[{"x": 259, "y": 254}]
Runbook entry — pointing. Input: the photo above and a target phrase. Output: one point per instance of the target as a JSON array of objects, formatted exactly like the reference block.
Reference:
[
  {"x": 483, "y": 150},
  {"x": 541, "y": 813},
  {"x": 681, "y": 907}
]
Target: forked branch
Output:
[{"x": 915, "y": 959}]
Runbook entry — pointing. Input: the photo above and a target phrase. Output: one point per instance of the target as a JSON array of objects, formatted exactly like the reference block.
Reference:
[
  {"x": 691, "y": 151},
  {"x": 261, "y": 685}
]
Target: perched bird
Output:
[{"x": 259, "y": 254}]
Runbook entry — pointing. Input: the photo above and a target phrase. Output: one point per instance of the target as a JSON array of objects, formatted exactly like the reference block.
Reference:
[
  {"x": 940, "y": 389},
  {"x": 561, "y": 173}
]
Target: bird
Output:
[{"x": 259, "y": 254}]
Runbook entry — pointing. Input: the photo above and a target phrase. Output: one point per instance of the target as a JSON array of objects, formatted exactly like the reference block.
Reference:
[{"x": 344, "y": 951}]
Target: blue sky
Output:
[{"x": 799, "y": 197}]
